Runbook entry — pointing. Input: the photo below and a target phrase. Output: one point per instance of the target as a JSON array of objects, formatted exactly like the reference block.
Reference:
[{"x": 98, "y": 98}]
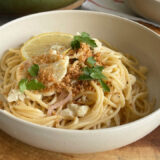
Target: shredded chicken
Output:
[{"x": 62, "y": 100}]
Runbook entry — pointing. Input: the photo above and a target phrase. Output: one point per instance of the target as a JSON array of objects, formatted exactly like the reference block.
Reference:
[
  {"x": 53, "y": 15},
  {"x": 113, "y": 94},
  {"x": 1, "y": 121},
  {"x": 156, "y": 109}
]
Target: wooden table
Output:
[{"x": 147, "y": 148}]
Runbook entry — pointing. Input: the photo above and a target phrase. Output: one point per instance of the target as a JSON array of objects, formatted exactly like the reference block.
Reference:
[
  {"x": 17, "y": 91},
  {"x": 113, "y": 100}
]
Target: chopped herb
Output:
[
  {"x": 98, "y": 68},
  {"x": 94, "y": 73},
  {"x": 91, "y": 61},
  {"x": 85, "y": 77},
  {"x": 25, "y": 84},
  {"x": 97, "y": 75},
  {"x": 104, "y": 85},
  {"x": 87, "y": 70},
  {"x": 75, "y": 44},
  {"x": 22, "y": 84},
  {"x": 34, "y": 85},
  {"x": 33, "y": 70},
  {"x": 89, "y": 41},
  {"x": 84, "y": 37},
  {"x": 84, "y": 34}
]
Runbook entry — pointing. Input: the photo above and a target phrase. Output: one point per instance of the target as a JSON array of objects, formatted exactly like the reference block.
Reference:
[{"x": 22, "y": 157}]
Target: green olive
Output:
[{"x": 31, "y": 6}]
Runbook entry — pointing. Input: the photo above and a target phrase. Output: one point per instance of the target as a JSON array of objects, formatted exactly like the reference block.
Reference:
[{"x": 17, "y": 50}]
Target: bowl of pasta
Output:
[{"x": 78, "y": 81}]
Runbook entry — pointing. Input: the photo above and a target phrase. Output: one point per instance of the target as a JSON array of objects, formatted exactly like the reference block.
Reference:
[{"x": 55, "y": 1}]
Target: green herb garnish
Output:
[
  {"x": 104, "y": 85},
  {"x": 75, "y": 44},
  {"x": 23, "y": 84},
  {"x": 33, "y": 70},
  {"x": 84, "y": 37},
  {"x": 84, "y": 34},
  {"x": 97, "y": 75},
  {"x": 91, "y": 61},
  {"x": 33, "y": 84},
  {"x": 94, "y": 73}
]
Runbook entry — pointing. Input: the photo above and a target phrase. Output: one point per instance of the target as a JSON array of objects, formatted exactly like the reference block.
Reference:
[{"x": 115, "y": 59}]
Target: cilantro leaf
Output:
[
  {"x": 84, "y": 37},
  {"x": 75, "y": 44},
  {"x": 97, "y": 75},
  {"x": 84, "y": 77},
  {"x": 98, "y": 68},
  {"x": 33, "y": 70},
  {"x": 78, "y": 38},
  {"x": 34, "y": 85},
  {"x": 84, "y": 34},
  {"x": 91, "y": 61},
  {"x": 22, "y": 85},
  {"x": 89, "y": 41},
  {"x": 87, "y": 70},
  {"x": 104, "y": 86},
  {"x": 94, "y": 73}
]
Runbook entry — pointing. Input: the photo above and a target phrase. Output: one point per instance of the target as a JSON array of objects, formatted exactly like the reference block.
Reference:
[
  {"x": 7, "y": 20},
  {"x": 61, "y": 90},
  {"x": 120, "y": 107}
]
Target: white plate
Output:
[{"x": 126, "y": 35}]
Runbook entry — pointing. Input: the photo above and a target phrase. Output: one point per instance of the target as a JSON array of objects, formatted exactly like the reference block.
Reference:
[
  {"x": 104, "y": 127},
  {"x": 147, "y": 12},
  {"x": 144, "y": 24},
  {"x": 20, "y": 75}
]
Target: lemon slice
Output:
[{"x": 42, "y": 43}]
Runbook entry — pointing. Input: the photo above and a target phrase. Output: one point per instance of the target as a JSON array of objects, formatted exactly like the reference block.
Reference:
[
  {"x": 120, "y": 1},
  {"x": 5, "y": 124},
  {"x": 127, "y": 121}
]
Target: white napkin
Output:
[{"x": 116, "y": 7}]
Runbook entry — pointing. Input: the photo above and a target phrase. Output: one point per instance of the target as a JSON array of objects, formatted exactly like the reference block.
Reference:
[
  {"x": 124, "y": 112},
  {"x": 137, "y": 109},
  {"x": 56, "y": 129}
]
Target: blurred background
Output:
[{"x": 145, "y": 11}]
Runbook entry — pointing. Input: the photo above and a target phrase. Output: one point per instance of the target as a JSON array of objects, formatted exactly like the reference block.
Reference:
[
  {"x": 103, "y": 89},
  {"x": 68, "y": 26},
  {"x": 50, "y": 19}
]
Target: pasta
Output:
[{"x": 67, "y": 101}]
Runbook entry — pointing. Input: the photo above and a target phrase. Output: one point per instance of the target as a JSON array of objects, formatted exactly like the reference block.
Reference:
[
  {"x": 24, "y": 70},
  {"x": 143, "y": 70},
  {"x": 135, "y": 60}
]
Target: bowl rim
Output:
[
  {"x": 58, "y": 130},
  {"x": 150, "y": 12}
]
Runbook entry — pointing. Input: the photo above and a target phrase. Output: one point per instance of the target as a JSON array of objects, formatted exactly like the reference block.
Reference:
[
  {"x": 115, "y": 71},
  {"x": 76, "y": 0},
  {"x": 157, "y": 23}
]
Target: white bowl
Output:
[
  {"x": 149, "y": 9},
  {"x": 126, "y": 35}
]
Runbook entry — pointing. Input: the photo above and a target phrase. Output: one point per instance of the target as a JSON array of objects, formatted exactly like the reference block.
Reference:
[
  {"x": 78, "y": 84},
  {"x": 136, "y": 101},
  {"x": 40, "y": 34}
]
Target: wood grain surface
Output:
[{"x": 147, "y": 148}]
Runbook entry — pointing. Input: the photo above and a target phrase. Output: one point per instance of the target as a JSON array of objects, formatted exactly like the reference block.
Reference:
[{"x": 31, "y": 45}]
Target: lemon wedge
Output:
[{"x": 42, "y": 43}]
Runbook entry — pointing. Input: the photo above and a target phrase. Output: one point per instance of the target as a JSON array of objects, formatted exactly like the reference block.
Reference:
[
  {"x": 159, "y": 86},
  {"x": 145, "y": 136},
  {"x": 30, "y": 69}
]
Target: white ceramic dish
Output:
[
  {"x": 121, "y": 33},
  {"x": 149, "y": 9}
]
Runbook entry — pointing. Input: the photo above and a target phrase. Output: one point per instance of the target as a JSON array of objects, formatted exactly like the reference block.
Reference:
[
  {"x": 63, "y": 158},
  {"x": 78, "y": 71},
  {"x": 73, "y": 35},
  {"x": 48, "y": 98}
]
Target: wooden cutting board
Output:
[{"x": 147, "y": 148}]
